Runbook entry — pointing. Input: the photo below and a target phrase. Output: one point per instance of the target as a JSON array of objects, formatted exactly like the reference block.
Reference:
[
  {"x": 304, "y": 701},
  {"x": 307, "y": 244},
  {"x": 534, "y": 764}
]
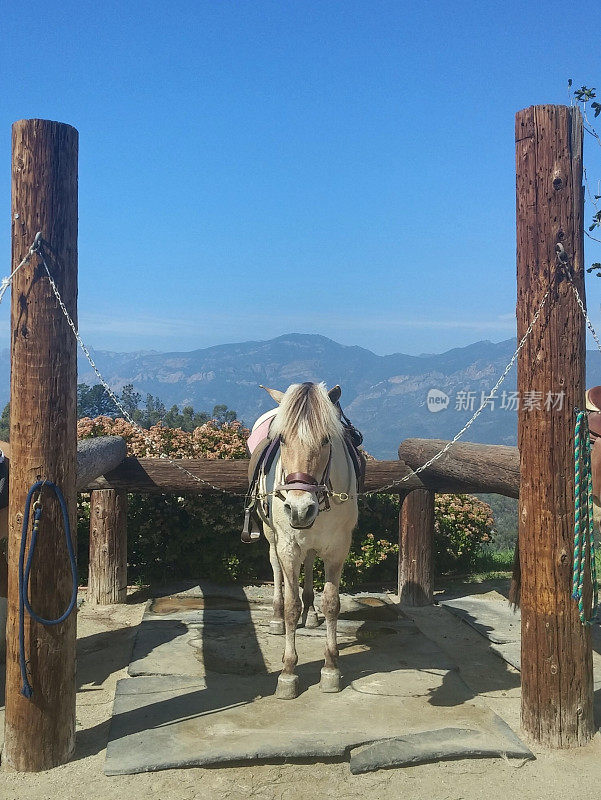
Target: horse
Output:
[{"x": 311, "y": 511}]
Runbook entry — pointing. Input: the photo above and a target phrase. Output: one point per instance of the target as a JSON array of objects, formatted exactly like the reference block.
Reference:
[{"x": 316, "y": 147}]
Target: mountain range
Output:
[{"x": 384, "y": 396}]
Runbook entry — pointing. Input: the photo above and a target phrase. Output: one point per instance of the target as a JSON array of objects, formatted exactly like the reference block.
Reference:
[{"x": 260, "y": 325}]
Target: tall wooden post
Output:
[
  {"x": 416, "y": 531},
  {"x": 557, "y": 676},
  {"x": 40, "y": 732},
  {"x": 107, "y": 578}
]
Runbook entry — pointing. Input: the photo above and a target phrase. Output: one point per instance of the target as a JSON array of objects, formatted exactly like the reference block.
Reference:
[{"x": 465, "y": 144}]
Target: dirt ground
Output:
[{"x": 105, "y": 642}]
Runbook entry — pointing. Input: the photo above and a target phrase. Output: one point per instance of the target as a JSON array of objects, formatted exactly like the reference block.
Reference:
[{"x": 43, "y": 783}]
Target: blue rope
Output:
[{"x": 24, "y": 603}]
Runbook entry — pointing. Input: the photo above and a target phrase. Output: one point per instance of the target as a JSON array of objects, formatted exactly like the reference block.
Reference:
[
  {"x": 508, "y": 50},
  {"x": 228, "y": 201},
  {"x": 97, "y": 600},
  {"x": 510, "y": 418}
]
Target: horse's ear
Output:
[
  {"x": 335, "y": 393},
  {"x": 274, "y": 393}
]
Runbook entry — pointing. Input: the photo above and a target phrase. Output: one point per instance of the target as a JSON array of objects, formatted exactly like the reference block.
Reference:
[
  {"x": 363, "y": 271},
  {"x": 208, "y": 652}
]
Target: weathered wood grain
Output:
[
  {"x": 466, "y": 467},
  {"x": 159, "y": 475},
  {"x": 416, "y": 529},
  {"x": 97, "y": 456},
  {"x": 107, "y": 577},
  {"x": 557, "y": 677},
  {"x": 40, "y": 733}
]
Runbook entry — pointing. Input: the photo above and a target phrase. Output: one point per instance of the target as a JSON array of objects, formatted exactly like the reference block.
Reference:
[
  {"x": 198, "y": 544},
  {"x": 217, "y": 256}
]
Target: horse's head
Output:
[{"x": 307, "y": 422}]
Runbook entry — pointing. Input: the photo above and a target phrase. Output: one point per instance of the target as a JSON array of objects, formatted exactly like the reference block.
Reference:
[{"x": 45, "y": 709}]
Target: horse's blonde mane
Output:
[{"x": 307, "y": 413}]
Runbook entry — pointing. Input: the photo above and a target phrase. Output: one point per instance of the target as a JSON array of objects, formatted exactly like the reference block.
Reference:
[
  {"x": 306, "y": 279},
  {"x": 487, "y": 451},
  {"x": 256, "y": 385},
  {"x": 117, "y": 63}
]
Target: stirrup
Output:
[{"x": 251, "y": 531}]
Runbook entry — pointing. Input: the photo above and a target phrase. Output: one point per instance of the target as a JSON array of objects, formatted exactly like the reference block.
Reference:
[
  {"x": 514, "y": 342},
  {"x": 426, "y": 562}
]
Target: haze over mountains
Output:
[{"x": 384, "y": 396}]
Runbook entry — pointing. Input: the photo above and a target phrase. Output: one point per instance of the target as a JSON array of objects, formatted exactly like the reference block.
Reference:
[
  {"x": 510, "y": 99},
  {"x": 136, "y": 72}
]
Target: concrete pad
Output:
[{"x": 204, "y": 677}]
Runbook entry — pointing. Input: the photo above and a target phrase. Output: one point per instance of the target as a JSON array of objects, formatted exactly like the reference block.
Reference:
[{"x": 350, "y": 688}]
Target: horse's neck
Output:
[{"x": 342, "y": 472}]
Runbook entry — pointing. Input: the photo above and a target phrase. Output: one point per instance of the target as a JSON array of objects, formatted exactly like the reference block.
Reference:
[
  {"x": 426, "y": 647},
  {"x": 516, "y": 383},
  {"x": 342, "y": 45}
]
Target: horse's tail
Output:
[{"x": 515, "y": 587}]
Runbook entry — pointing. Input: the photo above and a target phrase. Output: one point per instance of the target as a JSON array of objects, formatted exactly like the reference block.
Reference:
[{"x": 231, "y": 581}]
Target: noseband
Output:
[{"x": 303, "y": 482}]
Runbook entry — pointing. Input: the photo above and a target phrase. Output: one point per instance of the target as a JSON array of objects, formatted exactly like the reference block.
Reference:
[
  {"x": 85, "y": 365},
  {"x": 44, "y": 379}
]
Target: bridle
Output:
[{"x": 303, "y": 482}]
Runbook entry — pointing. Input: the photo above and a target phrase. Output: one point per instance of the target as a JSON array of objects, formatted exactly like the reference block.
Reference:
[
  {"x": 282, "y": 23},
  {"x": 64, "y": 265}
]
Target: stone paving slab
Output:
[
  {"x": 159, "y": 724},
  {"x": 495, "y": 620},
  {"x": 495, "y": 738},
  {"x": 203, "y": 677}
]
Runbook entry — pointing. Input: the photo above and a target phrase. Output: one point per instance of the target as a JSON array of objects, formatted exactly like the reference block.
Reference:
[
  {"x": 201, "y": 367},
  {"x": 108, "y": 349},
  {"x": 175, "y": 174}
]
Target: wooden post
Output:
[
  {"x": 107, "y": 581},
  {"x": 40, "y": 732},
  {"x": 3, "y": 586},
  {"x": 557, "y": 676},
  {"x": 416, "y": 529}
]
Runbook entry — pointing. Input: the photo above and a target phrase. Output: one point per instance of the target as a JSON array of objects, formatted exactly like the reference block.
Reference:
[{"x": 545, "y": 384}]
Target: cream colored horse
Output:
[{"x": 298, "y": 527}]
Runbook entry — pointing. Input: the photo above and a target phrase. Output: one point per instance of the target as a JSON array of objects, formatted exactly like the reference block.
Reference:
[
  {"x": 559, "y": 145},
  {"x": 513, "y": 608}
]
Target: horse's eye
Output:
[
  {"x": 325, "y": 442},
  {"x": 282, "y": 440}
]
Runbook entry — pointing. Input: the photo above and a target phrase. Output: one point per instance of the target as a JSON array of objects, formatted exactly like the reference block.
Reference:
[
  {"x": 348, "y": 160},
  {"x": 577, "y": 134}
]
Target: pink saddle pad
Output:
[{"x": 260, "y": 429}]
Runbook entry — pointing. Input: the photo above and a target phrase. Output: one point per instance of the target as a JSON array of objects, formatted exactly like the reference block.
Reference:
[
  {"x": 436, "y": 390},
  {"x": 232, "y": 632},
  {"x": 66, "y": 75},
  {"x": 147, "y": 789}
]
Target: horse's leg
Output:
[
  {"x": 287, "y": 688},
  {"x": 330, "y": 607},
  {"x": 309, "y": 618},
  {"x": 276, "y": 625}
]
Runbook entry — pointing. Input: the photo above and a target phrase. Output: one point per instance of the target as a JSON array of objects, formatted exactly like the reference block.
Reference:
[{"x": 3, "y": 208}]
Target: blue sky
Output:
[{"x": 249, "y": 169}]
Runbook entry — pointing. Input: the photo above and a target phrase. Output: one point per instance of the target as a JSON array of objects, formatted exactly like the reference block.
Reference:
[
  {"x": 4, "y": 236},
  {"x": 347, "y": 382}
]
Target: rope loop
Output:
[{"x": 25, "y": 569}]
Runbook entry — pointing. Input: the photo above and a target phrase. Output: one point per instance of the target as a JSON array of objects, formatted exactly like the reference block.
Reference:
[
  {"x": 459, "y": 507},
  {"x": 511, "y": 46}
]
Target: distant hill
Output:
[{"x": 385, "y": 396}]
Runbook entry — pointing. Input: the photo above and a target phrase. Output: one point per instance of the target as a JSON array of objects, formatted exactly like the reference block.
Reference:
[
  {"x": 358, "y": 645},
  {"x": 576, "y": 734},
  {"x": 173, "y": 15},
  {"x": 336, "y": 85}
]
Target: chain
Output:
[
  {"x": 6, "y": 282},
  {"x": 110, "y": 392},
  {"x": 36, "y": 248},
  {"x": 477, "y": 413},
  {"x": 563, "y": 261}
]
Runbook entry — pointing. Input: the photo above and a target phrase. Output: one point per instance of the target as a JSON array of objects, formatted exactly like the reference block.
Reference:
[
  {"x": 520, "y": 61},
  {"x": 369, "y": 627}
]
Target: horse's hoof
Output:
[
  {"x": 276, "y": 627},
  {"x": 330, "y": 680},
  {"x": 312, "y": 621},
  {"x": 287, "y": 687}
]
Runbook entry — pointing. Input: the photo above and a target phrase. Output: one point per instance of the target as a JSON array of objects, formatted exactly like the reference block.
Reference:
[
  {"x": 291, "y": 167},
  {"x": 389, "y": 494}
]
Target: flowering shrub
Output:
[
  {"x": 462, "y": 525},
  {"x": 211, "y": 440},
  {"x": 171, "y": 536},
  {"x": 198, "y": 536},
  {"x": 370, "y": 560}
]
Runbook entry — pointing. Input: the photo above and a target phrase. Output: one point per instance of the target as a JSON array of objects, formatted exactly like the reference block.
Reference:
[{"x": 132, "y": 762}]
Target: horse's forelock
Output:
[{"x": 307, "y": 412}]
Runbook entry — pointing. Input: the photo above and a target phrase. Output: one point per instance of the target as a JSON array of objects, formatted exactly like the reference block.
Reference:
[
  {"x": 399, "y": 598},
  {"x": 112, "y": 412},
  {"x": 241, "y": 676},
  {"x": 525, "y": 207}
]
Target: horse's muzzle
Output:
[{"x": 302, "y": 517}]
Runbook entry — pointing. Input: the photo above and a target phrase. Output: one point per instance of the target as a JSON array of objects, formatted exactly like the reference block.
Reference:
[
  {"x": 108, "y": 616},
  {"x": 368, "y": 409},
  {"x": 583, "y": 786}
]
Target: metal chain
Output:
[
  {"x": 6, "y": 282},
  {"x": 477, "y": 413},
  {"x": 563, "y": 261},
  {"x": 149, "y": 441},
  {"x": 36, "y": 247}
]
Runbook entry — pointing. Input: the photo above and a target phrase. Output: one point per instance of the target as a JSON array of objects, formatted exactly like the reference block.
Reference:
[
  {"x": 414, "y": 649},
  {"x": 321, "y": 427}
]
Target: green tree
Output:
[
  {"x": 187, "y": 419},
  {"x": 5, "y": 423},
  {"x": 130, "y": 400},
  {"x": 223, "y": 415},
  {"x": 94, "y": 401},
  {"x": 153, "y": 413}
]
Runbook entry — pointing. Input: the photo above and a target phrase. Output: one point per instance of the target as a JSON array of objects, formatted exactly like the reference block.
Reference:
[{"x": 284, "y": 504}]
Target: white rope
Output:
[{"x": 6, "y": 282}]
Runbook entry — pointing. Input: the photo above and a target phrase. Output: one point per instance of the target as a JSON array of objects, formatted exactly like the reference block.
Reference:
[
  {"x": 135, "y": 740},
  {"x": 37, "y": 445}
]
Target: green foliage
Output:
[
  {"x": 463, "y": 524},
  {"x": 198, "y": 536},
  {"x": 505, "y": 514},
  {"x": 5, "y": 423},
  {"x": 94, "y": 401}
]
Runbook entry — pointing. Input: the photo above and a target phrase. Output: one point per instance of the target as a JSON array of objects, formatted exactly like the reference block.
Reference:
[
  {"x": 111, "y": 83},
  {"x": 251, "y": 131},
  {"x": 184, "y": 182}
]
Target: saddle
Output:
[
  {"x": 593, "y": 406},
  {"x": 263, "y": 453}
]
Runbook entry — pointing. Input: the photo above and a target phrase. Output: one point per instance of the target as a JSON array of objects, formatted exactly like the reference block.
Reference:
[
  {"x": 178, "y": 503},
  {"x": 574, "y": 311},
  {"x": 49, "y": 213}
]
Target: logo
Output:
[{"x": 437, "y": 400}]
